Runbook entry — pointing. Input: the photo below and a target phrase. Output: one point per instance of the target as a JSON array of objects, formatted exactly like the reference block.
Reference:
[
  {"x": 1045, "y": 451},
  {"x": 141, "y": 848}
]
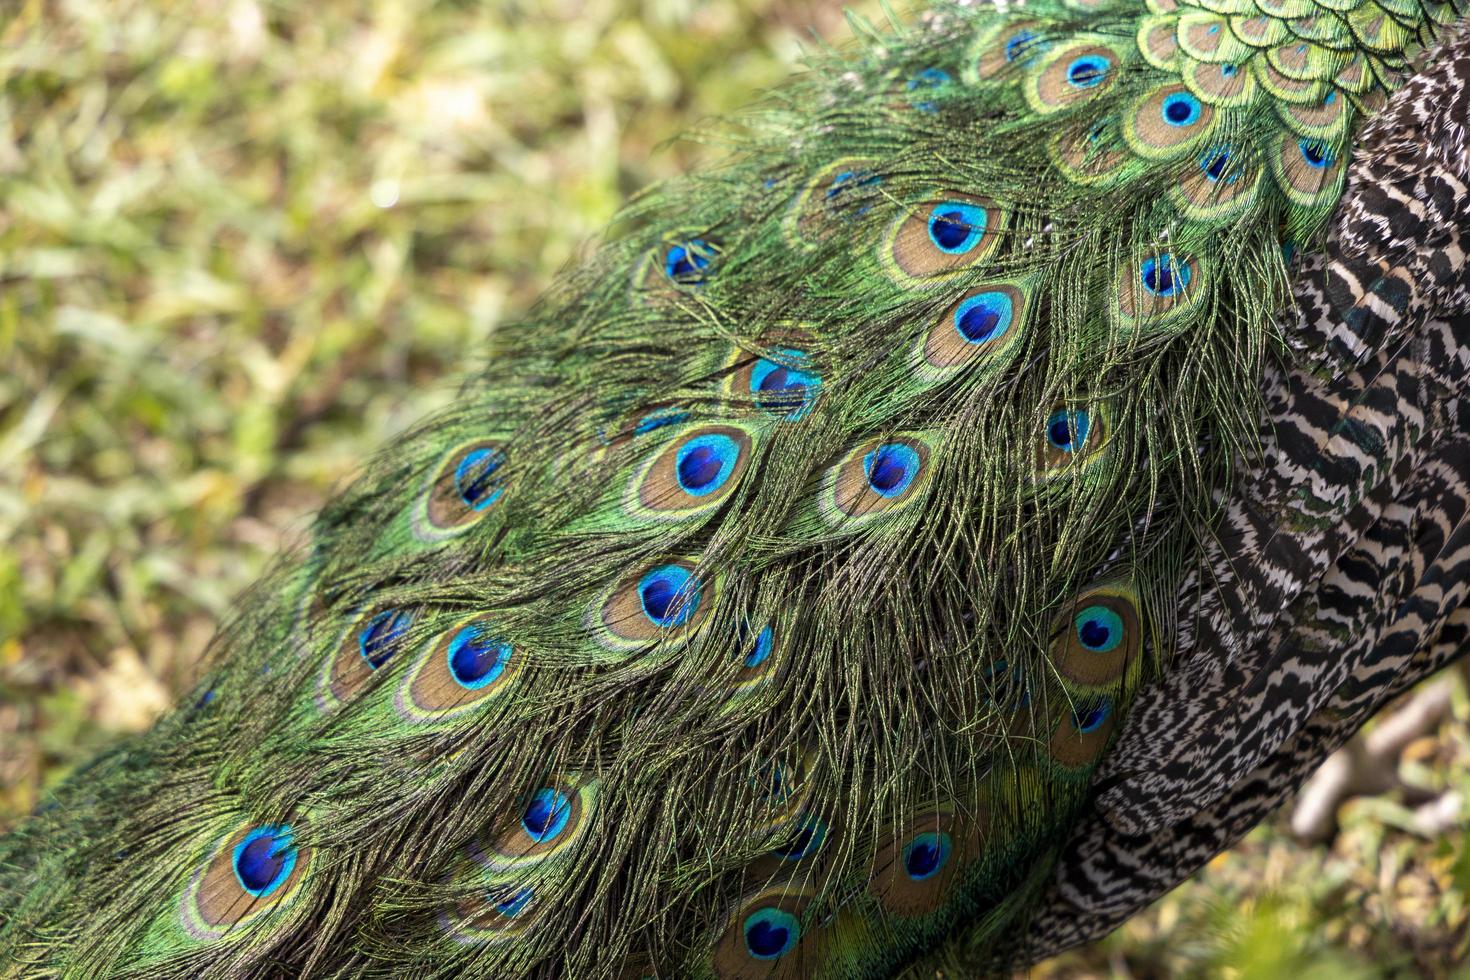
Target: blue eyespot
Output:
[
  {"x": 841, "y": 182},
  {"x": 1088, "y": 71},
  {"x": 846, "y": 181},
  {"x": 475, "y": 658},
  {"x": 926, "y": 855},
  {"x": 1067, "y": 429},
  {"x": 891, "y": 468},
  {"x": 704, "y": 463},
  {"x": 758, "y": 652},
  {"x": 806, "y": 842},
  {"x": 1165, "y": 276},
  {"x": 669, "y": 596},
  {"x": 929, "y": 78},
  {"x": 264, "y": 859},
  {"x": 1017, "y": 44},
  {"x": 955, "y": 227},
  {"x": 379, "y": 639},
  {"x": 508, "y": 900},
  {"x": 658, "y": 419},
  {"x": 1181, "y": 109},
  {"x": 849, "y": 179},
  {"x": 1091, "y": 719},
  {"x": 773, "y": 784},
  {"x": 686, "y": 263},
  {"x": 1316, "y": 154},
  {"x": 546, "y": 815},
  {"x": 1229, "y": 71},
  {"x": 985, "y": 316},
  {"x": 771, "y": 933},
  {"x": 475, "y": 478},
  {"x": 1099, "y": 629},
  {"x": 786, "y": 391},
  {"x": 1215, "y": 162}
]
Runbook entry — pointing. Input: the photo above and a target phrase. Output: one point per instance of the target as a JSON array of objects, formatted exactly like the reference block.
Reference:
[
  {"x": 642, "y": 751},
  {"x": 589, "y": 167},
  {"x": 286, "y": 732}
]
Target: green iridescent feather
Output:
[{"x": 763, "y": 607}]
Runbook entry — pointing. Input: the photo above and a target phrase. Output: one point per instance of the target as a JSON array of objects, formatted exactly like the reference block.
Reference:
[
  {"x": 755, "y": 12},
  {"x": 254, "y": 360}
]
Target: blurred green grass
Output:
[{"x": 242, "y": 242}]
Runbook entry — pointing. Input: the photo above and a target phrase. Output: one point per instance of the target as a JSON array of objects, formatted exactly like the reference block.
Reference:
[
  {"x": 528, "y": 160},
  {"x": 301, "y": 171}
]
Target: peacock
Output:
[{"x": 906, "y": 548}]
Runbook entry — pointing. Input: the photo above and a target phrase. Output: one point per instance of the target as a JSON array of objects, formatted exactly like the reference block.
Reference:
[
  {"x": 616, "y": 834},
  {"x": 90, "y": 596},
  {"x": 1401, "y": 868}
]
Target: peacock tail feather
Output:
[{"x": 766, "y": 604}]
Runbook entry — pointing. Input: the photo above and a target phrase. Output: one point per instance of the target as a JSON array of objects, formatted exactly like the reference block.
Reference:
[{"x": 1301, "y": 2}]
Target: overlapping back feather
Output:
[{"x": 763, "y": 607}]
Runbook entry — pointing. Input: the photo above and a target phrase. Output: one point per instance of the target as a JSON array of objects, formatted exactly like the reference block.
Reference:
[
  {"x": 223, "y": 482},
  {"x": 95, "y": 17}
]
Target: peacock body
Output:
[{"x": 767, "y": 603}]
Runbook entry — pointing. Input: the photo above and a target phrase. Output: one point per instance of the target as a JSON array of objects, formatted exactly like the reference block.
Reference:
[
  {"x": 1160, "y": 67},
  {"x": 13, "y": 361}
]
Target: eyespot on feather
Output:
[
  {"x": 1303, "y": 90},
  {"x": 1090, "y": 154},
  {"x": 980, "y": 327},
  {"x": 499, "y": 913},
  {"x": 1218, "y": 186},
  {"x": 922, "y": 88},
  {"x": 1098, "y": 636},
  {"x": 1074, "y": 438},
  {"x": 684, "y": 260},
  {"x": 640, "y": 422},
  {"x": 1307, "y": 171},
  {"x": 784, "y": 383},
  {"x": 809, "y": 837},
  {"x": 1292, "y": 59},
  {"x": 688, "y": 262},
  {"x": 1204, "y": 36},
  {"x": 1159, "y": 289},
  {"x": 764, "y": 938},
  {"x": 1157, "y": 41},
  {"x": 1326, "y": 121},
  {"x": 549, "y": 822},
  {"x": 840, "y": 192},
  {"x": 1167, "y": 123},
  {"x": 552, "y": 819},
  {"x": 1259, "y": 31},
  {"x": 664, "y": 602},
  {"x": 1070, "y": 74},
  {"x": 456, "y": 672},
  {"x": 800, "y": 856},
  {"x": 943, "y": 236},
  {"x": 466, "y": 485},
  {"x": 760, "y": 659},
  {"x": 915, "y": 869},
  {"x": 254, "y": 871},
  {"x": 878, "y": 478},
  {"x": 366, "y": 648},
  {"x": 692, "y": 473},
  {"x": 1083, "y": 733},
  {"x": 1006, "y": 50},
  {"x": 1221, "y": 85}
]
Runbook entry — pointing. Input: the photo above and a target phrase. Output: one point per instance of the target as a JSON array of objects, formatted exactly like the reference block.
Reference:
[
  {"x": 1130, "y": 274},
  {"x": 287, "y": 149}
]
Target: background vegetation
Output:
[{"x": 242, "y": 242}]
